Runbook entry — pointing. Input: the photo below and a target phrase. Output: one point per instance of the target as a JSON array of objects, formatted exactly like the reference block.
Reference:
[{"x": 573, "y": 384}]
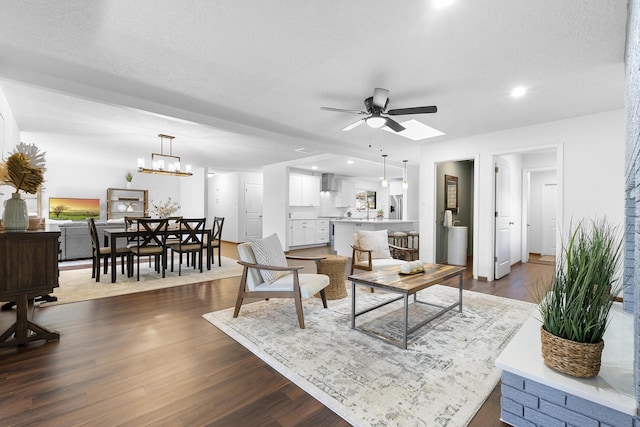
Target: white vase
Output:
[
  {"x": 15, "y": 216},
  {"x": 128, "y": 184}
]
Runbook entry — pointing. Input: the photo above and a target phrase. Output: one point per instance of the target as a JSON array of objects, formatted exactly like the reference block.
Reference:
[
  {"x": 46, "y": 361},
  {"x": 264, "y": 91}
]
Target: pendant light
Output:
[
  {"x": 384, "y": 171},
  {"x": 405, "y": 184},
  {"x": 164, "y": 164}
]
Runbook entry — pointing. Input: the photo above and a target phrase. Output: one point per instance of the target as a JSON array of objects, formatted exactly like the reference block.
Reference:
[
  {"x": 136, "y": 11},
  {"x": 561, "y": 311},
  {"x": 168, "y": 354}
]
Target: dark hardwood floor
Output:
[{"x": 151, "y": 359}]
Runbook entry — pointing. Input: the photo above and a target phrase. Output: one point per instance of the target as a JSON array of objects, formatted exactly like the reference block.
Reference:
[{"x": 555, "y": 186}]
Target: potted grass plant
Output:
[{"x": 575, "y": 307}]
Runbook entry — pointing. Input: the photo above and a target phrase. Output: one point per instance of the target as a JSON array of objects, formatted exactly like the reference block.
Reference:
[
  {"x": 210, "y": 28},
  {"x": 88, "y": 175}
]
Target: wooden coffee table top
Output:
[{"x": 391, "y": 279}]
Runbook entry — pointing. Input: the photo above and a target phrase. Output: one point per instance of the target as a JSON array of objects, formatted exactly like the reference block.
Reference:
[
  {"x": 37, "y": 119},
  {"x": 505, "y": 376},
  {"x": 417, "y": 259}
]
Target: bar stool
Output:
[
  {"x": 415, "y": 239},
  {"x": 397, "y": 238}
]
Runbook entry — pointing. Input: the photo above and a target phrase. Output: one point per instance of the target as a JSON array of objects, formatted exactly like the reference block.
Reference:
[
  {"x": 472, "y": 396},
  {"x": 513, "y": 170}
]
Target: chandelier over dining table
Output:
[{"x": 165, "y": 164}]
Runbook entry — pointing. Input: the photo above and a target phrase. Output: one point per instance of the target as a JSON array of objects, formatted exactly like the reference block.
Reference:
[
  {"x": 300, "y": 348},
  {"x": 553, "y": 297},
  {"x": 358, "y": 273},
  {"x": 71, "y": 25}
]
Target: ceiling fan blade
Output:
[
  {"x": 380, "y": 97},
  {"x": 394, "y": 125},
  {"x": 342, "y": 110},
  {"x": 354, "y": 125},
  {"x": 414, "y": 110}
]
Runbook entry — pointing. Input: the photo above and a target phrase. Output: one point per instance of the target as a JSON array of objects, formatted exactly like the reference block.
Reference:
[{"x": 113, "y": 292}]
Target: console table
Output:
[{"x": 28, "y": 268}]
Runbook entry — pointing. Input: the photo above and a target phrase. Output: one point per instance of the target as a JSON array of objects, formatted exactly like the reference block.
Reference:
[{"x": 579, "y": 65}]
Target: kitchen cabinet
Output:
[
  {"x": 303, "y": 232},
  {"x": 347, "y": 195},
  {"x": 322, "y": 231},
  {"x": 306, "y": 232},
  {"x": 123, "y": 202},
  {"x": 304, "y": 190}
]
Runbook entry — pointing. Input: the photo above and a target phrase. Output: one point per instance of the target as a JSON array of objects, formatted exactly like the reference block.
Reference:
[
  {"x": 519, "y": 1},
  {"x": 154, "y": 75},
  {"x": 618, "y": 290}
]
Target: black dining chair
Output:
[
  {"x": 215, "y": 240},
  {"x": 104, "y": 253},
  {"x": 190, "y": 234},
  {"x": 152, "y": 235}
]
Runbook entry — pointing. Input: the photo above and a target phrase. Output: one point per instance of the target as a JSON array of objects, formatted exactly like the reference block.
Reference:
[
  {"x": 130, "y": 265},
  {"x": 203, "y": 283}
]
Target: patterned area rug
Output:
[
  {"x": 77, "y": 285},
  {"x": 441, "y": 379}
]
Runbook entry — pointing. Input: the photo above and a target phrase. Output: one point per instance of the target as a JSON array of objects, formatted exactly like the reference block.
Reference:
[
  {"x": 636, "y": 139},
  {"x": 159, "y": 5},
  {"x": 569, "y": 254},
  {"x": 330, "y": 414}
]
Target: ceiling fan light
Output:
[{"x": 376, "y": 121}]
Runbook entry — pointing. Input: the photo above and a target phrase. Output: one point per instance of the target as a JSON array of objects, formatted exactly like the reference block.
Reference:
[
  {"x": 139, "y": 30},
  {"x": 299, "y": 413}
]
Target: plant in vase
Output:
[
  {"x": 165, "y": 209},
  {"x": 380, "y": 214},
  {"x": 576, "y": 304},
  {"x": 23, "y": 170},
  {"x": 129, "y": 177}
]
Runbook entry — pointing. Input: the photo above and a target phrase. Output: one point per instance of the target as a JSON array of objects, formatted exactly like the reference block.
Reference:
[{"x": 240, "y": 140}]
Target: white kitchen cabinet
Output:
[
  {"x": 306, "y": 232},
  {"x": 304, "y": 190},
  {"x": 322, "y": 231},
  {"x": 347, "y": 194},
  {"x": 303, "y": 232}
]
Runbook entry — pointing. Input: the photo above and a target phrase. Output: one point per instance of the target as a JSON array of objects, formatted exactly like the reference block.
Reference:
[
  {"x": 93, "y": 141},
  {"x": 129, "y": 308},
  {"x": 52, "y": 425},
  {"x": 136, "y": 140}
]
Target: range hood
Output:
[{"x": 329, "y": 182}]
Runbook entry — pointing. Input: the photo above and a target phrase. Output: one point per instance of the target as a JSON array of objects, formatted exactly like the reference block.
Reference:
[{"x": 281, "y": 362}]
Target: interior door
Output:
[
  {"x": 549, "y": 219},
  {"x": 253, "y": 211},
  {"x": 502, "y": 255}
]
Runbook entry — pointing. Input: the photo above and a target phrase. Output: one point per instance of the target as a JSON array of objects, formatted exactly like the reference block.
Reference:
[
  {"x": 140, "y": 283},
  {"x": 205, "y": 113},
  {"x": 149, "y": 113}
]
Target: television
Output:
[{"x": 73, "y": 208}]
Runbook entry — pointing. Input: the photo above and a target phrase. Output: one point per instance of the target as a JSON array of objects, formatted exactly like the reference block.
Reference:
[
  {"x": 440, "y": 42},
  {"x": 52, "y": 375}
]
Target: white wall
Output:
[
  {"x": 193, "y": 195},
  {"x": 275, "y": 217},
  {"x": 590, "y": 174},
  {"x": 226, "y": 199},
  {"x": 74, "y": 171}
]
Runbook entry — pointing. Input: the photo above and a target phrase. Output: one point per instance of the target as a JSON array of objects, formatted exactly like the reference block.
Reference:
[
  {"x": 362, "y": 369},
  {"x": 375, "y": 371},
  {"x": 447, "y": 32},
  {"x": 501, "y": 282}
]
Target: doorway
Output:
[
  {"x": 462, "y": 213},
  {"x": 534, "y": 210}
]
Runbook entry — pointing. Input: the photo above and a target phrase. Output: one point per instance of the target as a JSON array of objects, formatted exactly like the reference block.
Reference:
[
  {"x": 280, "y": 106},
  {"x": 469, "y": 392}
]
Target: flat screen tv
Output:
[{"x": 73, "y": 208}]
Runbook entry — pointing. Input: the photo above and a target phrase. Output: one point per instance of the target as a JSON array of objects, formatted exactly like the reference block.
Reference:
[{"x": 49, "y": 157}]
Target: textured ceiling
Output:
[{"x": 240, "y": 83}]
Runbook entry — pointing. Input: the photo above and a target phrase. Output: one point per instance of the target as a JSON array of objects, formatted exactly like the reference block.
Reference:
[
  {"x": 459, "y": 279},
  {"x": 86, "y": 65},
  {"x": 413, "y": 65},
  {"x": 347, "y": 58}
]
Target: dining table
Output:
[{"x": 111, "y": 236}]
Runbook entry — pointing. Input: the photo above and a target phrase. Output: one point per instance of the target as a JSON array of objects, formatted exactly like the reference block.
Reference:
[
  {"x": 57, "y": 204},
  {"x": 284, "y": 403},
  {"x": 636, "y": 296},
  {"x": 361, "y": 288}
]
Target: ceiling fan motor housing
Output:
[{"x": 368, "y": 104}]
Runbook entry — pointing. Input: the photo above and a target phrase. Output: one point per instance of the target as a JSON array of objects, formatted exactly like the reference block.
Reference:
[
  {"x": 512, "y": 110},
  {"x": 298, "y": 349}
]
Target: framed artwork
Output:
[{"x": 451, "y": 193}]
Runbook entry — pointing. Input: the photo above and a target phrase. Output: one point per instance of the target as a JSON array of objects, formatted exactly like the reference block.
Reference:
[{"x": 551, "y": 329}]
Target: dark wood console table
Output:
[{"x": 28, "y": 268}]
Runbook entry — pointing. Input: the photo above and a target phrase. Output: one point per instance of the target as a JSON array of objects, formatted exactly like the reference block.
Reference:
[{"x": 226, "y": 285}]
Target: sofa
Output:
[{"x": 75, "y": 240}]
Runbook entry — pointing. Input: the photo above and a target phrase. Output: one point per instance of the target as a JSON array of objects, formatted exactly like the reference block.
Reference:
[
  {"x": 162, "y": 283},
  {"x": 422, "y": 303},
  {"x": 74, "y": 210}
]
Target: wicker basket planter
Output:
[{"x": 571, "y": 357}]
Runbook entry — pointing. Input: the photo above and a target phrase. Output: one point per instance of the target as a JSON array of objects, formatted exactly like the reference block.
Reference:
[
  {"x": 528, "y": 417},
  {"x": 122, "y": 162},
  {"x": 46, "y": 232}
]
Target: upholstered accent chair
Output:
[
  {"x": 372, "y": 251},
  {"x": 267, "y": 275}
]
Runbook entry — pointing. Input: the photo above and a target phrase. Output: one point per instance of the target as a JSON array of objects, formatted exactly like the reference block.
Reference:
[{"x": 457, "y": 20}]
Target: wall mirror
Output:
[
  {"x": 451, "y": 193},
  {"x": 365, "y": 199}
]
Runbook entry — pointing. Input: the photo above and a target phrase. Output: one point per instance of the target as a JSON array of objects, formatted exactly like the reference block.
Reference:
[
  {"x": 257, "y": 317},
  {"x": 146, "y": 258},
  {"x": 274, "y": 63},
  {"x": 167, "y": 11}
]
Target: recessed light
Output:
[
  {"x": 519, "y": 91},
  {"x": 349, "y": 162},
  {"x": 314, "y": 168}
]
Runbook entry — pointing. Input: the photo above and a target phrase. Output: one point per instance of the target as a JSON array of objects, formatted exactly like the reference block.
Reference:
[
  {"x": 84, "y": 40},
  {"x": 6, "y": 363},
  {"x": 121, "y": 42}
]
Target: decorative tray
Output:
[{"x": 410, "y": 274}]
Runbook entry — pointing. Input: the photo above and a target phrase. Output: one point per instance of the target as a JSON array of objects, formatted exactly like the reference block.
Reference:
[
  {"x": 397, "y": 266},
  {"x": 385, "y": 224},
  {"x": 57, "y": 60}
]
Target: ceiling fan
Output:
[{"x": 376, "y": 110}]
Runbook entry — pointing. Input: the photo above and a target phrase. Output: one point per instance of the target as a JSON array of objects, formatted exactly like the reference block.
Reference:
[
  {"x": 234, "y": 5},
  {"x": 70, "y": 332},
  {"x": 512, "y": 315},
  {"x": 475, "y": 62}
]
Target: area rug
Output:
[
  {"x": 442, "y": 378},
  {"x": 77, "y": 285}
]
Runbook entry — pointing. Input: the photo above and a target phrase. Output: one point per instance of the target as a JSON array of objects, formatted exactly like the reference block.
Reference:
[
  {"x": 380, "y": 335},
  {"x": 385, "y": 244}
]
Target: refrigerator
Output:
[{"x": 395, "y": 207}]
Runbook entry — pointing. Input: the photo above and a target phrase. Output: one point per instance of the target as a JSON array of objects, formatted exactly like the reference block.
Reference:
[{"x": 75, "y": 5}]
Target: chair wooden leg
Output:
[
  {"x": 243, "y": 284},
  {"x": 324, "y": 298},
  {"x": 298, "y": 301}
]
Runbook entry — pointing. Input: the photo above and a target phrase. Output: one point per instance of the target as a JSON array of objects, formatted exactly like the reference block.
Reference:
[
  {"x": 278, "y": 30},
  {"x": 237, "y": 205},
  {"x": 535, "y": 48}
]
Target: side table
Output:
[{"x": 334, "y": 266}]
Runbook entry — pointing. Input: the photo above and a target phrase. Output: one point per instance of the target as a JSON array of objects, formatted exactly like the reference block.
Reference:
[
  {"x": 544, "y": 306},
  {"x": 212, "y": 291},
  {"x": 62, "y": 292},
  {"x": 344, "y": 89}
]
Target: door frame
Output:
[
  {"x": 526, "y": 194},
  {"x": 559, "y": 149}
]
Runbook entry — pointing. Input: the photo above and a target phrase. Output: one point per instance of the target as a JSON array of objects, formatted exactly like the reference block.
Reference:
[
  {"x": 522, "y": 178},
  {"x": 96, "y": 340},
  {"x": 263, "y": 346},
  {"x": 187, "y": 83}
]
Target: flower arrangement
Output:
[
  {"x": 165, "y": 209},
  {"x": 24, "y": 169}
]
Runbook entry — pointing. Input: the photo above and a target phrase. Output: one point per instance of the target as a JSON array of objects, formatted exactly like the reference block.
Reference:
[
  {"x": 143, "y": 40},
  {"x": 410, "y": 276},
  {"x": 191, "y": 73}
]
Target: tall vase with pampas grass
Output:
[{"x": 22, "y": 170}]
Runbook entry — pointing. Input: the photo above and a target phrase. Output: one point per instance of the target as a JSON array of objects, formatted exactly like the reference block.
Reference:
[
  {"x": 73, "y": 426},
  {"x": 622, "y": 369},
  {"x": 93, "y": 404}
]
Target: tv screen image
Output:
[{"x": 73, "y": 208}]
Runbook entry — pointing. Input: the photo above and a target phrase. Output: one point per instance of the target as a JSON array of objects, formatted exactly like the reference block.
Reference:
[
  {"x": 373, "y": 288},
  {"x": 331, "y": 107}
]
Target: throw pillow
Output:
[
  {"x": 376, "y": 241},
  {"x": 268, "y": 251}
]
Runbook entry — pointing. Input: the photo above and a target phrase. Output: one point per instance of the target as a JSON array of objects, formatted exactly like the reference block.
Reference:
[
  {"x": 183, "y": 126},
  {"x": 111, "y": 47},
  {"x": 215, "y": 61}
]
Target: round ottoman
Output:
[{"x": 335, "y": 267}]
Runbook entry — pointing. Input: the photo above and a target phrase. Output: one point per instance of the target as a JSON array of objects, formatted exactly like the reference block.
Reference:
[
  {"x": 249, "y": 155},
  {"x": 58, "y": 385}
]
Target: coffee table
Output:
[{"x": 390, "y": 280}]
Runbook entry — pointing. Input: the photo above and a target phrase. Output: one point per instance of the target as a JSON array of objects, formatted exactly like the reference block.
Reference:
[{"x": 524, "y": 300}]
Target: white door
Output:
[
  {"x": 253, "y": 211},
  {"x": 503, "y": 221},
  {"x": 549, "y": 219}
]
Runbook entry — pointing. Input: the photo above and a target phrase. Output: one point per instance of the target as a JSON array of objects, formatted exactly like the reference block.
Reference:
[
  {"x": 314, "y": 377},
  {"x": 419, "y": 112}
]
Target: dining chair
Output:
[
  {"x": 104, "y": 253},
  {"x": 190, "y": 241},
  {"x": 215, "y": 240},
  {"x": 152, "y": 234},
  {"x": 267, "y": 275}
]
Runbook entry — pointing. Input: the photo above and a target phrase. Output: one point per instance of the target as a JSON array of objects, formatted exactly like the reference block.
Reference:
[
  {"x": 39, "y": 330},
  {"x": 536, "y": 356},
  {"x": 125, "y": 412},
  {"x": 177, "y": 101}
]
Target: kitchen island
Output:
[{"x": 343, "y": 230}]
